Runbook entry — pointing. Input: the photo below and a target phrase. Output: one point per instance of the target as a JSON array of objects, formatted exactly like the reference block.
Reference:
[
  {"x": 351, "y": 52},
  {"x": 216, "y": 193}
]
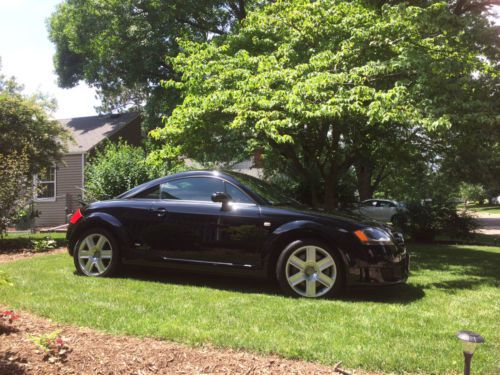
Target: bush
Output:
[
  {"x": 424, "y": 221},
  {"x": 44, "y": 244},
  {"x": 472, "y": 192},
  {"x": 119, "y": 167},
  {"x": 20, "y": 243},
  {"x": 15, "y": 187}
]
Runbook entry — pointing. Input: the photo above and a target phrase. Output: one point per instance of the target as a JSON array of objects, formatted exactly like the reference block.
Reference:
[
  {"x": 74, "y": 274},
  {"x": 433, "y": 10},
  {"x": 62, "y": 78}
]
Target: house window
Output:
[{"x": 46, "y": 184}]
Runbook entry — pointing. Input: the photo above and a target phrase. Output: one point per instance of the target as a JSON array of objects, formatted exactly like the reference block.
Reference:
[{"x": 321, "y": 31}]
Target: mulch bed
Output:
[
  {"x": 9, "y": 256},
  {"x": 93, "y": 352}
]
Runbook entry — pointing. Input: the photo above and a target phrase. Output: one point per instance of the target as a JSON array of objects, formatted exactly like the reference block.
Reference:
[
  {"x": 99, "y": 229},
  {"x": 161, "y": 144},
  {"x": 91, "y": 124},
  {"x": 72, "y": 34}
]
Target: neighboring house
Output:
[
  {"x": 62, "y": 185},
  {"x": 253, "y": 166}
]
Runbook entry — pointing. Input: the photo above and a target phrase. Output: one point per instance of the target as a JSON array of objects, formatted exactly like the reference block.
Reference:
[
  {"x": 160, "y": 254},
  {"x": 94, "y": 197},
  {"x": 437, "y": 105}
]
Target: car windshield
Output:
[{"x": 270, "y": 193}]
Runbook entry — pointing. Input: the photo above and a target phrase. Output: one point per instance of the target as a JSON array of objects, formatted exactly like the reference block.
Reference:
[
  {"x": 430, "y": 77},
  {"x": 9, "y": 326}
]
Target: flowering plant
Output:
[
  {"x": 52, "y": 344},
  {"x": 8, "y": 316}
]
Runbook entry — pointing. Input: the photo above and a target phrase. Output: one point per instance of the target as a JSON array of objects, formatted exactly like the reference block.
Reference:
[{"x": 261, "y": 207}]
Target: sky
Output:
[{"x": 26, "y": 53}]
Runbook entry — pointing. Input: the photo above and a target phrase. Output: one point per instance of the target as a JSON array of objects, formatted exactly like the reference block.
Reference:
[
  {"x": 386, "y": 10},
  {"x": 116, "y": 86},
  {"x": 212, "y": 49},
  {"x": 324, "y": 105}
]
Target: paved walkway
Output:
[{"x": 490, "y": 223}]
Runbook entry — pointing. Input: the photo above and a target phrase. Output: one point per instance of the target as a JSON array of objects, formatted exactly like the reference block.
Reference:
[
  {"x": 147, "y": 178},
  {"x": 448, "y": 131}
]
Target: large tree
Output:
[
  {"x": 321, "y": 86},
  {"x": 27, "y": 127},
  {"x": 30, "y": 140},
  {"x": 120, "y": 46}
]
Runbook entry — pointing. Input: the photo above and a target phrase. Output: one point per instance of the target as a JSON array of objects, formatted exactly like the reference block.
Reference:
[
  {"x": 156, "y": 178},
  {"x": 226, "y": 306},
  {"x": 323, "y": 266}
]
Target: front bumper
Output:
[{"x": 387, "y": 272}]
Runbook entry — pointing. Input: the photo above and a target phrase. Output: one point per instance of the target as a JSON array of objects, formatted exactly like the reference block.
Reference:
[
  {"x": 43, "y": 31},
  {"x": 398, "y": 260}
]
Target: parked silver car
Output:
[{"x": 383, "y": 210}]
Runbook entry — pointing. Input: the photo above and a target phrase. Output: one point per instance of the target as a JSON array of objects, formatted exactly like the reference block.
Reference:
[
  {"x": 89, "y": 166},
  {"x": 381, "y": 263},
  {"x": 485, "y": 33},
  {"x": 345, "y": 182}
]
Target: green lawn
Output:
[
  {"x": 488, "y": 209},
  {"x": 408, "y": 328}
]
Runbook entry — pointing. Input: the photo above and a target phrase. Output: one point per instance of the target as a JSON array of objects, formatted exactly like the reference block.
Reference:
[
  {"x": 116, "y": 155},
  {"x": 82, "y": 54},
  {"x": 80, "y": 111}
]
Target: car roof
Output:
[
  {"x": 379, "y": 200},
  {"x": 229, "y": 176}
]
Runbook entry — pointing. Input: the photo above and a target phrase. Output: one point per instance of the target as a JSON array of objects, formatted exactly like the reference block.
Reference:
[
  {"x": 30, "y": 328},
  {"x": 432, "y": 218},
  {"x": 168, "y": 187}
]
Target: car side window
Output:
[
  {"x": 237, "y": 195},
  {"x": 191, "y": 188},
  {"x": 369, "y": 204},
  {"x": 151, "y": 193},
  {"x": 385, "y": 204}
]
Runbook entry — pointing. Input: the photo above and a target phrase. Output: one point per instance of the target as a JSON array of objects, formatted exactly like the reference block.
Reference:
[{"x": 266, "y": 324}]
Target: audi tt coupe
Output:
[{"x": 235, "y": 224}]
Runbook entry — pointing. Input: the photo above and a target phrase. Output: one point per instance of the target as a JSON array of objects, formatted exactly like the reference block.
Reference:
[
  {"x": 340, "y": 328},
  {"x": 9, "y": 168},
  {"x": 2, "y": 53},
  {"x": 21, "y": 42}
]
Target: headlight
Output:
[{"x": 373, "y": 236}]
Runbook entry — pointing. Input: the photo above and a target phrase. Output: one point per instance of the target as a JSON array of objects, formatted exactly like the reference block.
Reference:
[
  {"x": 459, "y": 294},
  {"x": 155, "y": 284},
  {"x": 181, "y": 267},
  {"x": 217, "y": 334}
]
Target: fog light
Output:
[{"x": 470, "y": 341}]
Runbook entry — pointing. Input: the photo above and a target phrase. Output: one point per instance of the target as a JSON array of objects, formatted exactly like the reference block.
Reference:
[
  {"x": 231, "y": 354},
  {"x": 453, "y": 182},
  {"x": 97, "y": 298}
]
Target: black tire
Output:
[
  {"x": 111, "y": 266},
  {"x": 284, "y": 269}
]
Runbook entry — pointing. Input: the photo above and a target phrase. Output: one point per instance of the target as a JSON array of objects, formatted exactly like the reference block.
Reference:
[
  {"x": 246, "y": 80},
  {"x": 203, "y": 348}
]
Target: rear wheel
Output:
[
  {"x": 96, "y": 253},
  {"x": 310, "y": 269}
]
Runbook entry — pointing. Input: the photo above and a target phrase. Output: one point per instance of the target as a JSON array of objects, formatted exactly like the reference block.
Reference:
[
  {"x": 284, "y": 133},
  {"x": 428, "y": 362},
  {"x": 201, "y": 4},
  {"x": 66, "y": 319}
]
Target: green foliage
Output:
[
  {"x": 472, "y": 192},
  {"x": 45, "y": 341},
  {"x": 119, "y": 46},
  {"x": 54, "y": 347},
  {"x": 423, "y": 221},
  {"x": 44, "y": 244},
  {"x": 119, "y": 167},
  {"x": 14, "y": 242},
  {"x": 15, "y": 186},
  {"x": 322, "y": 86},
  {"x": 27, "y": 128}
]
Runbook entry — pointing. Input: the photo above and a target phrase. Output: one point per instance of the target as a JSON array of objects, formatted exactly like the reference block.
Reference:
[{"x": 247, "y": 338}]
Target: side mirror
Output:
[{"x": 221, "y": 197}]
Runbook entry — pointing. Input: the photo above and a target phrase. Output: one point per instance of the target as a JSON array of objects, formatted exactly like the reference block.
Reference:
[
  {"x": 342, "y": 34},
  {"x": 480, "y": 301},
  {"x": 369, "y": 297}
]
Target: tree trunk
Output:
[
  {"x": 331, "y": 192},
  {"x": 314, "y": 196},
  {"x": 364, "y": 181}
]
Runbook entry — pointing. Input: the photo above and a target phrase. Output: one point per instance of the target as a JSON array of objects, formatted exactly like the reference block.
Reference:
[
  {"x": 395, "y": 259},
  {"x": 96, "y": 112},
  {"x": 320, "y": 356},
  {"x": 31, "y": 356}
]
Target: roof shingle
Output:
[{"x": 89, "y": 131}]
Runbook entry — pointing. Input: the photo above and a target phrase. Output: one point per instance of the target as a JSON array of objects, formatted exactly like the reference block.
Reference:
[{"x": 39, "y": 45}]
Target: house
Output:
[{"x": 62, "y": 185}]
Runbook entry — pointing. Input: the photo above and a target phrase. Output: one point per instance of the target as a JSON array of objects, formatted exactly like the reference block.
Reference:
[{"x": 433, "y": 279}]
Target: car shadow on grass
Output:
[
  {"x": 397, "y": 294},
  {"x": 400, "y": 294}
]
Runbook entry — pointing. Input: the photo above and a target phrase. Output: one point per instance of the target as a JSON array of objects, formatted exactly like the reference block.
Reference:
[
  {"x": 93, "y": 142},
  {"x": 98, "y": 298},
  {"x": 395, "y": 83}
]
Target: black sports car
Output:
[{"x": 236, "y": 224}]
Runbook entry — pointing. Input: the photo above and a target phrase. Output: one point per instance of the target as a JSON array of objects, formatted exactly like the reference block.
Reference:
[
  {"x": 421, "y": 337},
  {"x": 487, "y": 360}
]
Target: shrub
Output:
[
  {"x": 423, "y": 221},
  {"x": 15, "y": 187},
  {"x": 117, "y": 168},
  {"x": 52, "y": 344},
  {"x": 8, "y": 316},
  {"x": 44, "y": 244},
  {"x": 472, "y": 192},
  {"x": 23, "y": 243}
]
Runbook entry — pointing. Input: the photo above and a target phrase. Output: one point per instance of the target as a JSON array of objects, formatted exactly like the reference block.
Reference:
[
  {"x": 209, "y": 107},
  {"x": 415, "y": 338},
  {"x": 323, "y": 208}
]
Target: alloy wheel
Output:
[
  {"x": 311, "y": 271},
  {"x": 95, "y": 254}
]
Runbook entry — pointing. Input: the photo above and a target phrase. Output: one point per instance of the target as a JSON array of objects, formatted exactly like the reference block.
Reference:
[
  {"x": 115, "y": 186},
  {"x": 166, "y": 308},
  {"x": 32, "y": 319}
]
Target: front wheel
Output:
[
  {"x": 310, "y": 269},
  {"x": 96, "y": 253}
]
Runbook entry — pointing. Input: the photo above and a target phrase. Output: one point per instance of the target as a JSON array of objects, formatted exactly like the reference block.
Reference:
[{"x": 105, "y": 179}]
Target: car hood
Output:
[{"x": 349, "y": 219}]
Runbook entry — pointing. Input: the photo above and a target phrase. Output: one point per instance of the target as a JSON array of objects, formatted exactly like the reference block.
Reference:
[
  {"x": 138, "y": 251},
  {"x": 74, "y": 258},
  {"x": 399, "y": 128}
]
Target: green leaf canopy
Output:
[{"x": 321, "y": 84}]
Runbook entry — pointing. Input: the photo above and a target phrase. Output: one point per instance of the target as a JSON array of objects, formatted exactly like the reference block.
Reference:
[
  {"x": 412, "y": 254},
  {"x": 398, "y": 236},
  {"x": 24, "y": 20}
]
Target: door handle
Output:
[{"x": 159, "y": 211}]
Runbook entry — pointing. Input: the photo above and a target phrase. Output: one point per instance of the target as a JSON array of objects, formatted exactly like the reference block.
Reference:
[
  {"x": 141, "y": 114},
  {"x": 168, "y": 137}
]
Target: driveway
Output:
[{"x": 490, "y": 223}]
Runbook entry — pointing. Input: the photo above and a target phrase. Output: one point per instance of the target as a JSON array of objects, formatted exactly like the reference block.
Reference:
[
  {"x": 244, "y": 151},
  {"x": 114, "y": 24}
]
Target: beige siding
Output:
[{"x": 68, "y": 180}]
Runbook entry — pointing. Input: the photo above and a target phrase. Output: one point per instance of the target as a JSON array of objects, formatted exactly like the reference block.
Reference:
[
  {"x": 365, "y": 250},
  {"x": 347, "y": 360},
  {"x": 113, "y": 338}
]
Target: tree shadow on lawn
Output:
[
  {"x": 402, "y": 293},
  {"x": 474, "y": 266}
]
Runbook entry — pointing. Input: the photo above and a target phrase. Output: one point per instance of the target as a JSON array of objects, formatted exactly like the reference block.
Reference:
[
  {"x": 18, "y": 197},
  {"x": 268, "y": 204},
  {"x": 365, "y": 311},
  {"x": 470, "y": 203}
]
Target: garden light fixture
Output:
[{"x": 470, "y": 341}]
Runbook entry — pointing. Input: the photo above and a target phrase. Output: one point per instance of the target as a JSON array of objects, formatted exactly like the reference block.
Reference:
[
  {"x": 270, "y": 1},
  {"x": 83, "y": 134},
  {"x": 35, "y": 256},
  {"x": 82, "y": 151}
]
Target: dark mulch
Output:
[{"x": 9, "y": 256}]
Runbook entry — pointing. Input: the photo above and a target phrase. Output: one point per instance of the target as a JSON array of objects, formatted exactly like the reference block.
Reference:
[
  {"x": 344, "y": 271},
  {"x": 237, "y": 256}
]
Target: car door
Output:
[
  {"x": 185, "y": 220},
  {"x": 369, "y": 208},
  {"x": 387, "y": 210},
  {"x": 241, "y": 232}
]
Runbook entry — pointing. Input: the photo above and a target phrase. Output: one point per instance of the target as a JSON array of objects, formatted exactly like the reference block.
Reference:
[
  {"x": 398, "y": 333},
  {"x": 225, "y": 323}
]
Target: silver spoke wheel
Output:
[
  {"x": 95, "y": 254},
  {"x": 311, "y": 271}
]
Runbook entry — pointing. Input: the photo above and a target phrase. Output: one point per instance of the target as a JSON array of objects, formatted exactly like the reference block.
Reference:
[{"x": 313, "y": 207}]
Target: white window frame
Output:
[{"x": 37, "y": 182}]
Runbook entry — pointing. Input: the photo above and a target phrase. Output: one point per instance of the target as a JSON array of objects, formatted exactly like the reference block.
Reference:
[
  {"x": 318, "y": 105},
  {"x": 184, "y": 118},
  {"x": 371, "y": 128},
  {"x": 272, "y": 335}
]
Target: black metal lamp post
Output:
[{"x": 470, "y": 341}]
